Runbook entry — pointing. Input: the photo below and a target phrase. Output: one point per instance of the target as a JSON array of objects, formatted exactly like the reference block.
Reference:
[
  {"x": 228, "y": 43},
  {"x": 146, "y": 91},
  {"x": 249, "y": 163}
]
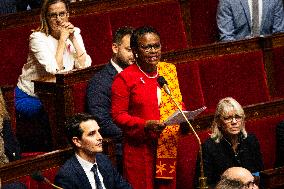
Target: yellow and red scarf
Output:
[{"x": 168, "y": 141}]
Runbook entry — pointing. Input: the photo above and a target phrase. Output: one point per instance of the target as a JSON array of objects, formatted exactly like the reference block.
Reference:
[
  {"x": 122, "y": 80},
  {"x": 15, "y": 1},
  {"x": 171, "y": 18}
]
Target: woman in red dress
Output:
[{"x": 139, "y": 107}]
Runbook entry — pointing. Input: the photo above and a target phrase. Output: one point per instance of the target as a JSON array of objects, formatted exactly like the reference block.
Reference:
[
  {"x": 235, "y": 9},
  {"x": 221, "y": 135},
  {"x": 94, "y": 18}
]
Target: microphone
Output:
[
  {"x": 202, "y": 179},
  {"x": 164, "y": 84},
  {"x": 37, "y": 176}
]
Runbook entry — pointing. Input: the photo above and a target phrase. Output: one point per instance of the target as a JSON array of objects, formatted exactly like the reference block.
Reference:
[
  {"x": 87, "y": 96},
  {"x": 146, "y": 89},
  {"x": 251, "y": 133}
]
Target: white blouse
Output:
[{"x": 41, "y": 60}]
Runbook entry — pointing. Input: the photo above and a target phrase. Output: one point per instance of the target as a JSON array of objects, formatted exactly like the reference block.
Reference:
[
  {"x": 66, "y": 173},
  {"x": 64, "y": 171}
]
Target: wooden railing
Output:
[
  {"x": 252, "y": 112},
  {"x": 58, "y": 99},
  {"x": 14, "y": 170},
  {"x": 273, "y": 178}
]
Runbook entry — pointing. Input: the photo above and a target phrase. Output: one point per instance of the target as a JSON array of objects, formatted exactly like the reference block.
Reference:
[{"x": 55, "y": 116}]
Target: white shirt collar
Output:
[
  {"x": 84, "y": 163},
  {"x": 117, "y": 67}
]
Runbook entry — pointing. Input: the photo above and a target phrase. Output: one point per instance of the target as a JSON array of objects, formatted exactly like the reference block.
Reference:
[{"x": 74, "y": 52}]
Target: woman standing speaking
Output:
[{"x": 139, "y": 107}]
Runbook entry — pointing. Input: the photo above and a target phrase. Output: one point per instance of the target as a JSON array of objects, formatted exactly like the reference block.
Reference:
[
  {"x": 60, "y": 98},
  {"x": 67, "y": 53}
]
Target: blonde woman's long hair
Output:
[
  {"x": 224, "y": 106},
  {"x": 44, "y": 27}
]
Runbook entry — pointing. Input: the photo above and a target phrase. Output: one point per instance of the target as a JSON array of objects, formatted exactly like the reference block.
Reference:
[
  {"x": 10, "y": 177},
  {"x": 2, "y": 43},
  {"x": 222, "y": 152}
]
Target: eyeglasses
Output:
[
  {"x": 148, "y": 48},
  {"x": 229, "y": 119},
  {"x": 54, "y": 16}
]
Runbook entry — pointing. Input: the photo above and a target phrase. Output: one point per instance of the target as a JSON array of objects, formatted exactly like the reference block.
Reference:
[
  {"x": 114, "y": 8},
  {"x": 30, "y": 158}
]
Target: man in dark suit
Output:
[
  {"x": 88, "y": 168},
  {"x": 99, "y": 88}
]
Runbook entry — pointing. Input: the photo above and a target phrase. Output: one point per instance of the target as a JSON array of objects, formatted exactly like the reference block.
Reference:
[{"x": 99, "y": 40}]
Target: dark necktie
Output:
[
  {"x": 97, "y": 179},
  {"x": 255, "y": 18}
]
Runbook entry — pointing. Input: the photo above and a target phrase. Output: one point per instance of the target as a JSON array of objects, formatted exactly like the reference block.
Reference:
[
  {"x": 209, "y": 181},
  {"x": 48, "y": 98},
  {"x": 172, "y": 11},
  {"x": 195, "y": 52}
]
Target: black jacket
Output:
[{"x": 218, "y": 157}]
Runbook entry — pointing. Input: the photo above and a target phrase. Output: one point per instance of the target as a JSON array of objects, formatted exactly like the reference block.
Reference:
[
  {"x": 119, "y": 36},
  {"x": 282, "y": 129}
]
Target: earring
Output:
[{"x": 136, "y": 55}]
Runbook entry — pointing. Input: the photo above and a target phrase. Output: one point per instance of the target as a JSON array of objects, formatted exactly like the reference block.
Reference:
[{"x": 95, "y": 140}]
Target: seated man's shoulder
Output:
[
  {"x": 68, "y": 166},
  {"x": 66, "y": 176},
  {"x": 100, "y": 75}
]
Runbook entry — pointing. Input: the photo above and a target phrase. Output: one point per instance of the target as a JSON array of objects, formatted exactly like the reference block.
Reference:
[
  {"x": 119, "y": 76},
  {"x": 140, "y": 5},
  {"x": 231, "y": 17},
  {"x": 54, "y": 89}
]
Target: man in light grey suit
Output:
[{"x": 234, "y": 18}]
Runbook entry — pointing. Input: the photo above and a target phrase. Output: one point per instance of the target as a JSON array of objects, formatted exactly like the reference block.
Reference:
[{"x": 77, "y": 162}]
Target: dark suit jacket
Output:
[
  {"x": 99, "y": 100},
  {"x": 72, "y": 176}
]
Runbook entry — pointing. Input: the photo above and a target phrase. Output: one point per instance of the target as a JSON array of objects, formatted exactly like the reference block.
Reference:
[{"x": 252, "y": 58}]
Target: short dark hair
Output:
[
  {"x": 72, "y": 125},
  {"x": 121, "y": 32},
  {"x": 138, "y": 33}
]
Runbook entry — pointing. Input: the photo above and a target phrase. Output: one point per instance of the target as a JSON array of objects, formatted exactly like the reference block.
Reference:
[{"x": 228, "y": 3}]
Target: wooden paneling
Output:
[
  {"x": 273, "y": 178},
  {"x": 14, "y": 170},
  {"x": 57, "y": 97}
]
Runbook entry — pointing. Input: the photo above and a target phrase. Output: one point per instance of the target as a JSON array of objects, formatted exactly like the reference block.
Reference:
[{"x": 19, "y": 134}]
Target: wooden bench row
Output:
[{"x": 248, "y": 70}]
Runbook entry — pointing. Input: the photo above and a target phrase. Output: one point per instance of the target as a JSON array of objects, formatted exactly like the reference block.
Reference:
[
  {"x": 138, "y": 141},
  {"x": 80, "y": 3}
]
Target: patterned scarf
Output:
[{"x": 167, "y": 143}]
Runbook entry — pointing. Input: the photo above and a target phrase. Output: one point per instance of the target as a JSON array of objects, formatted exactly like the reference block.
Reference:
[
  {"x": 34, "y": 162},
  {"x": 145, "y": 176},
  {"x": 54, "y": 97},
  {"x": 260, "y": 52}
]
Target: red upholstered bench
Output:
[
  {"x": 206, "y": 81},
  {"x": 278, "y": 63},
  {"x": 164, "y": 16},
  {"x": 264, "y": 129},
  {"x": 190, "y": 84},
  {"x": 203, "y": 22},
  {"x": 187, "y": 154},
  {"x": 97, "y": 35},
  {"x": 14, "y": 51}
]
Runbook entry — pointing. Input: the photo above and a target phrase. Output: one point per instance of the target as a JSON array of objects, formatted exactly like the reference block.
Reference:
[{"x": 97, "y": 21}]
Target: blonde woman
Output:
[
  {"x": 229, "y": 144},
  {"x": 54, "y": 47}
]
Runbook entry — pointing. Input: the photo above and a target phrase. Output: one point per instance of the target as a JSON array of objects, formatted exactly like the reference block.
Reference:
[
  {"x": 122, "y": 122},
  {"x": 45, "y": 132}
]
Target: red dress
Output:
[{"x": 134, "y": 100}]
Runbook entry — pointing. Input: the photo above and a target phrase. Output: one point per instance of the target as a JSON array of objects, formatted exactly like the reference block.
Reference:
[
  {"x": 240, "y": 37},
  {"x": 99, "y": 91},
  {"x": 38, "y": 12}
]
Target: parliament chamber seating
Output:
[
  {"x": 210, "y": 79},
  {"x": 97, "y": 21},
  {"x": 249, "y": 70}
]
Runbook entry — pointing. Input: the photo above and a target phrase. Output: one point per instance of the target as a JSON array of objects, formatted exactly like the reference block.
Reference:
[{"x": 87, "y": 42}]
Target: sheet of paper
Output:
[{"x": 176, "y": 118}]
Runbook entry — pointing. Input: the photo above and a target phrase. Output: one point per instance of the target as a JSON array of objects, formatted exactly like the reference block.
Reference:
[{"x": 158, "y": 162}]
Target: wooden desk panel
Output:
[
  {"x": 273, "y": 178},
  {"x": 25, "y": 167},
  {"x": 57, "y": 97}
]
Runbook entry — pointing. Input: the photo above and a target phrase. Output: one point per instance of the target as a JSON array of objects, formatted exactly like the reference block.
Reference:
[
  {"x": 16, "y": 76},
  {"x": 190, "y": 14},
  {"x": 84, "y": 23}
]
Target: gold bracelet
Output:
[{"x": 81, "y": 55}]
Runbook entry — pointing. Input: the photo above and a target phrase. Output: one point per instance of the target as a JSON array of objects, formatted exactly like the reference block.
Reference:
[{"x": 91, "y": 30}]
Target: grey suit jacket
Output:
[{"x": 234, "y": 20}]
